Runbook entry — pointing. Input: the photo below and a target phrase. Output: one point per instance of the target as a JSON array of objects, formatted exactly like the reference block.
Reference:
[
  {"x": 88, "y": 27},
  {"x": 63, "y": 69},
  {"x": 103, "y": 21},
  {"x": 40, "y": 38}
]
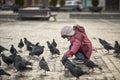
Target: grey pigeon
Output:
[
  {"x": 13, "y": 51},
  {"x": 117, "y": 48},
  {"x": 7, "y": 60},
  {"x": 103, "y": 42},
  {"x": 74, "y": 70},
  {"x": 28, "y": 44},
  {"x": 37, "y": 50},
  {"x": 21, "y": 44},
  {"x": 91, "y": 65},
  {"x": 54, "y": 43},
  {"x": 53, "y": 49},
  {"x": 108, "y": 47},
  {"x": 20, "y": 65},
  {"x": 44, "y": 65}
]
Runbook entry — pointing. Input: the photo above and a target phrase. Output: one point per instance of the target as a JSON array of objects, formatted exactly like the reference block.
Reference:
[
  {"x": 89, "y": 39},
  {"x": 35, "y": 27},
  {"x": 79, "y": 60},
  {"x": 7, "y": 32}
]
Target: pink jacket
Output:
[{"x": 80, "y": 41}]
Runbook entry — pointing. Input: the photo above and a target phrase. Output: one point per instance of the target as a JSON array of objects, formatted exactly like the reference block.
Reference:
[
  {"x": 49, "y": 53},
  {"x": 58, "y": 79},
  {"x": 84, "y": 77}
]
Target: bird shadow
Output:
[
  {"x": 43, "y": 75},
  {"x": 20, "y": 76},
  {"x": 54, "y": 57},
  {"x": 117, "y": 56},
  {"x": 94, "y": 73},
  {"x": 20, "y": 51}
]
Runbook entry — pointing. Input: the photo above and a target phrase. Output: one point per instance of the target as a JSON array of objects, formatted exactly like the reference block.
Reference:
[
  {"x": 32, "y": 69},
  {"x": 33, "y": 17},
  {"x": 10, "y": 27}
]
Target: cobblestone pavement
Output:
[{"x": 41, "y": 31}]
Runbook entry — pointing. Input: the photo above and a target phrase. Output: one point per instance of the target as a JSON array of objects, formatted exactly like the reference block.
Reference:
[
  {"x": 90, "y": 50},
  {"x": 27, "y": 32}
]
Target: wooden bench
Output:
[{"x": 36, "y": 12}]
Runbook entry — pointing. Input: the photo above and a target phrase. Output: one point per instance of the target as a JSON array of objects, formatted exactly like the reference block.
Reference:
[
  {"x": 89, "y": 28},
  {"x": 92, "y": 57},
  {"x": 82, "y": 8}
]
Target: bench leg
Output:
[{"x": 53, "y": 17}]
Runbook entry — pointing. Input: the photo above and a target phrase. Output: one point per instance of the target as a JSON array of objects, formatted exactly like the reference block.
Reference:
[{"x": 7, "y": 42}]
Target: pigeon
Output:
[
  {"x": 2, "y": 49},
  {"x": 74, "y": 70},
  {"x": 103, "y": 42},
  {"x": 37, "y": 50},
  {"x": 29, "y": 48},
  {"x": 91, "y": 65},
  {"x": 44, "y": 65},
  {"x": 2, "y": 72},
  {"x": 53, "y": 49},
  {"x": 20, "y": 64},
  {"x": 21, "y": 44},
  {"x": 108, "y": 47},
  {"x": 13, "y": 51},
  {"x": 117, "y": 48},
  {"x": 7, "y": 60},
  {"x": 28, "y": 44},
  {"x": 65, "y": 61},
  {"x": 54, "y": 43}
]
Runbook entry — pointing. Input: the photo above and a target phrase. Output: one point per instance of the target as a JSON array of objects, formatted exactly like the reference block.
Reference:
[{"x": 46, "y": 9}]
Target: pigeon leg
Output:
[
  {"x": 20, "y": 50},
  {"x": 20, "y": 74},
  {"x": 52, "y": 56},
  {"x": 91, "y": 70},
  {"x": 108, "y": 52},
  {"x": 45, "y": 72}
]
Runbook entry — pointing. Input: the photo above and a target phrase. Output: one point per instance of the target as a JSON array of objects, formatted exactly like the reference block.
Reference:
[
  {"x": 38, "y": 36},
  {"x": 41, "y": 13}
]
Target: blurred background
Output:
[{"x": 63, "y": 5}]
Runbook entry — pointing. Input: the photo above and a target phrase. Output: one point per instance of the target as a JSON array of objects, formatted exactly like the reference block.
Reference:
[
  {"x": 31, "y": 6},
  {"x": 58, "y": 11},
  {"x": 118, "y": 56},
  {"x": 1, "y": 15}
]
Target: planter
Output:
[{"x": 95, "y": 9}]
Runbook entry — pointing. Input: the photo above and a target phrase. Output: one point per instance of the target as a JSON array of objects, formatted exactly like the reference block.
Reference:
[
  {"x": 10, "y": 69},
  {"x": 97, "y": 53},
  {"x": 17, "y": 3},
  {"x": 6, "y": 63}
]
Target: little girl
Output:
[{"x": 80, "y": 45}]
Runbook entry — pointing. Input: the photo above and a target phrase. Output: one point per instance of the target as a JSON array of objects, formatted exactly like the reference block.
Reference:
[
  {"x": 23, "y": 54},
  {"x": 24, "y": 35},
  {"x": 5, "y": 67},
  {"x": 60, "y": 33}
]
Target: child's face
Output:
[{"x": 68, "y": 37}]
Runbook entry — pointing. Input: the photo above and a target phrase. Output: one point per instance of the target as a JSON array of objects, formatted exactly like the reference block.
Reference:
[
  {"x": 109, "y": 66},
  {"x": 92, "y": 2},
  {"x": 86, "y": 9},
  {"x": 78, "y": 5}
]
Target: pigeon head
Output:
[
  {"x": 25, "y": 38},
  {"x": 116, "y": 42},
  {"x": 43, "y": 46},
  {"x": 48, "y": 42},
  {"x": 42, "y": 58},
  {"x": 2, "y": 55},
  {"x": 100, "y": 39},
  {"x": 37, "y": 43},
  {"x": 12, "y": 46}
]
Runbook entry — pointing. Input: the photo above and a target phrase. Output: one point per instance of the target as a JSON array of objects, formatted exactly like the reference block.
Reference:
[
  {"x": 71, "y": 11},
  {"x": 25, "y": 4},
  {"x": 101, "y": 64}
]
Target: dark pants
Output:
[{"x": 79, "y": 55}]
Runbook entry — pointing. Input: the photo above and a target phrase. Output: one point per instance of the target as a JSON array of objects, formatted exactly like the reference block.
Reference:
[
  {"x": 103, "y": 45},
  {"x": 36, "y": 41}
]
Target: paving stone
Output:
[
  {"x": 109, "y": 76},
  {"x": 90, "y": 78}
]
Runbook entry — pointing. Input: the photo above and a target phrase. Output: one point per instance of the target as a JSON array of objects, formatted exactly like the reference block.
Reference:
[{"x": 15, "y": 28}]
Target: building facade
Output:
[
  {"x": 106, "y": 4},
  {"x": 32, "y": 2}
]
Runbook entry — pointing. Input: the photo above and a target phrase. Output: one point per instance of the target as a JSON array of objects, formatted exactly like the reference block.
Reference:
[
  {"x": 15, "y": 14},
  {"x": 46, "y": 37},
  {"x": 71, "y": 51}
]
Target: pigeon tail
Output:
[
  {"x": 97, "y": 66},
  {"x": 7, "y": 74},
  {"x": 28, "y": 68}
]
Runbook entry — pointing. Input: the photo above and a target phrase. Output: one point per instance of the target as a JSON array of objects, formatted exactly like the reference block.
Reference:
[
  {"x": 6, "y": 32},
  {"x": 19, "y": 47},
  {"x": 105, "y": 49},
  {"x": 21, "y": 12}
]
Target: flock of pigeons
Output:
[{"x": 20, "y": 63}]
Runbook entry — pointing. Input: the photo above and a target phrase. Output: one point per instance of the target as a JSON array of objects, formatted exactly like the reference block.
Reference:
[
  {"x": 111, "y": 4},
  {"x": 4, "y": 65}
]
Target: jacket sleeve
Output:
[
  {"x": 74, "y": 48},
  {"x": 68, "y": 53}
]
